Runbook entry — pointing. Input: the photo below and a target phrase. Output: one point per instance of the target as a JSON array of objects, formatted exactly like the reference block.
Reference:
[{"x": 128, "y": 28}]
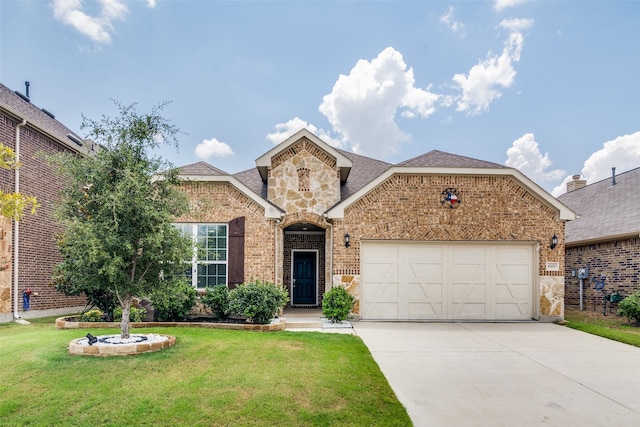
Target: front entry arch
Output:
[{"x": 304, "y": 264}]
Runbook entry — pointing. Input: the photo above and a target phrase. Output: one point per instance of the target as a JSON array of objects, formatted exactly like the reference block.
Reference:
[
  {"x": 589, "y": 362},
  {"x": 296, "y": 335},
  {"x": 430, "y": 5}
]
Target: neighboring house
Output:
[
  {"x": 605, "y": 238},
  {"x": 437, "y": 237},
  {"x": 38, "y": 134}
]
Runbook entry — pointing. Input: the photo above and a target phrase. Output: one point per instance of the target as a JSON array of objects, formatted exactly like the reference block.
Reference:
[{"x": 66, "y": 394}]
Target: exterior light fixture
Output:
[
  {"x": 554, "y": 242},
  {"x": 346, "y": 240},
  {"x": 92, "y": 339}
]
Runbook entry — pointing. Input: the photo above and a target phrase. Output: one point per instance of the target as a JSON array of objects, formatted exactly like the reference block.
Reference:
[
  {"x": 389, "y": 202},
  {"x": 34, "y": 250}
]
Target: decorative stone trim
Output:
[{"x": 104, "y": 350}]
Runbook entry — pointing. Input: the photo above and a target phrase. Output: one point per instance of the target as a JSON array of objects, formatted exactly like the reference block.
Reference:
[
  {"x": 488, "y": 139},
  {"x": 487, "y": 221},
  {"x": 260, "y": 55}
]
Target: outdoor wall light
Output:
[
  {"x": 92, "y": 339},
  {"x": 554, "y": 242},
  {"x": 346, "y": 240}
]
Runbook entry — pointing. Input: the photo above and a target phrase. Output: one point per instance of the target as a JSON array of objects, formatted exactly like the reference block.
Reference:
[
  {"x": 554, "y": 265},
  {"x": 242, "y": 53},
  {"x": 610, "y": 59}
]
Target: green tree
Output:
[
  {"x": 119, "y": 239},
  {"x": 12, "y": 205}
]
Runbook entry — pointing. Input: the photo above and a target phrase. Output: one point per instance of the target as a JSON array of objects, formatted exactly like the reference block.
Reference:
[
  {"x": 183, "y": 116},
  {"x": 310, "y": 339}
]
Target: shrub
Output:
[
  {"x": 630, "y": 307},
  {"x": 259, "y": 300},
  {"x": 92, "y": 316},
  {"x": 174, "y": 301},
  {"x": 217, "y": 299},
  {"x": 337, "y": 304},
  {"x": 135, "y": 314}
]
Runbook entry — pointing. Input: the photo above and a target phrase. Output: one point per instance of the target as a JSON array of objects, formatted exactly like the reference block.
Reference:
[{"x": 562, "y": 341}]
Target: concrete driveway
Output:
[{"x": 506, "y": 374}]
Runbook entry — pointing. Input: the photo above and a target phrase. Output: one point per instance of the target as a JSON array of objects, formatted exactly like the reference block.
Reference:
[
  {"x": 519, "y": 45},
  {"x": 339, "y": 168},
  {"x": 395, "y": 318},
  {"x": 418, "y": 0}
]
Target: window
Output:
[{"x": 209, "y": 263}]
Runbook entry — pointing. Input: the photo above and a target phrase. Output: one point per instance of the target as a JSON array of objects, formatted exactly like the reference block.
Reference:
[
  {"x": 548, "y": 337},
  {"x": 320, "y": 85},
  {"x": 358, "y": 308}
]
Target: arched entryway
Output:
[{"x": 304, "y": 264}]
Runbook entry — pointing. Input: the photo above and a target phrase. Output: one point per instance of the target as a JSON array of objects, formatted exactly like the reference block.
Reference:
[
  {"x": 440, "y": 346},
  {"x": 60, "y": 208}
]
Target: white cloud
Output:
[
  {"x": 482, "y": 85},
  {"x": 286, "y": 129},
  {"x": 363, "y": 106},
  {"x": 525, "y": 156},
  {"x": 454, "y": 26},
  {"x": 97, "y": 28},
  {"x": 213, "y": 148},
  {"x": 623, "y": 153},
  {"x": 151, "y": 4},
  {"x": 503, "y": 4}
]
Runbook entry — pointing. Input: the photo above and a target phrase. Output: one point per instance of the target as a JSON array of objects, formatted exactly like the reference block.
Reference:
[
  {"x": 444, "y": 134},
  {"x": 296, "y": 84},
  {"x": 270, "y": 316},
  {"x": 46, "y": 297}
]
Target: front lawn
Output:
[
  {"x": 209, "y": 378},
  {"x": 611, "y": 326}
]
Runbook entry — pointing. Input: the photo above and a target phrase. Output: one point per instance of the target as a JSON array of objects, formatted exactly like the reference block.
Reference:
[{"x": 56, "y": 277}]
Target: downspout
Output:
[
  {"x": 275, "y": 255},
  {"x": 16, "y": 230}
]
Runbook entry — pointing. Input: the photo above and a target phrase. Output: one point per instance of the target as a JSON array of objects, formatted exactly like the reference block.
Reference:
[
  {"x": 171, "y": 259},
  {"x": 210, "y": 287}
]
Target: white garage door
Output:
[{"x": 446, "y": 281}]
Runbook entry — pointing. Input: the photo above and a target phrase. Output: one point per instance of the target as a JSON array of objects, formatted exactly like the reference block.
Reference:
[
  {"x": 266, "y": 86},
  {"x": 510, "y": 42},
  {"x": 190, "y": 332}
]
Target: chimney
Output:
[
  {"x": 576, "y": 183},
  {"x": 613, "y": 176}
]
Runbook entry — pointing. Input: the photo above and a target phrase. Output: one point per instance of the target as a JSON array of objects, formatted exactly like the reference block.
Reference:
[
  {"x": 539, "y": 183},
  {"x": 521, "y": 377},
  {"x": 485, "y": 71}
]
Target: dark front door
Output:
[{"x": 304, "y": 278}]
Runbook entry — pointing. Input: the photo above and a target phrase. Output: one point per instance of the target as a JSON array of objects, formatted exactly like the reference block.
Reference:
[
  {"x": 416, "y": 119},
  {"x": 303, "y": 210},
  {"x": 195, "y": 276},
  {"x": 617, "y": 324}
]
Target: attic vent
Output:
[
  {"x": 26, "y": 98},
  {"x": 74, "y": 139},
  {"x": 303, "y": 179},
  {"x": 48, "y": 113}
]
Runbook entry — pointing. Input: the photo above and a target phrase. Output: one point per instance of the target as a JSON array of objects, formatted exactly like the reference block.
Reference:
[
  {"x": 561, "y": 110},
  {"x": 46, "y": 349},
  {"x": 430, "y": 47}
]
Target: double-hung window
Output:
[{"x": 208, "y": 266}]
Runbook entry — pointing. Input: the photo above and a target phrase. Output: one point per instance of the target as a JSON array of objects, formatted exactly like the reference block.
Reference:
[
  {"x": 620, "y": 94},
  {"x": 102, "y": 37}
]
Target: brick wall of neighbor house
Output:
[
  {"x": 303, "y": 178},
  {"x": 220, "y": 202},
  {"x": 37, "y": 250},
  {"x": 493, "y": 208},
  {"x": 618, "y": 260}
]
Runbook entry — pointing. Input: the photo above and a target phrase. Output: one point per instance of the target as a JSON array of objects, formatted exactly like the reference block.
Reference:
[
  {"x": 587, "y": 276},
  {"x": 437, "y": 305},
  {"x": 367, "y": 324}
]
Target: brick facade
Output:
[
  {"x": 491, "y": 209},
  {"x": 303, "y": 180},
  {"x": 618, "y": 261},
  {"x": 38, "y": 253},
  {"x": 221, "y": 202}
]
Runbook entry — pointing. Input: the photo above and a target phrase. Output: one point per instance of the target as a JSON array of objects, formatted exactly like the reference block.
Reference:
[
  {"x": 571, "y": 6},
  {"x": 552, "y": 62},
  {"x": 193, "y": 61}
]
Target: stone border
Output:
[
  {"x": 105, "y": 350},
  {"x": 275, "y": 325}
]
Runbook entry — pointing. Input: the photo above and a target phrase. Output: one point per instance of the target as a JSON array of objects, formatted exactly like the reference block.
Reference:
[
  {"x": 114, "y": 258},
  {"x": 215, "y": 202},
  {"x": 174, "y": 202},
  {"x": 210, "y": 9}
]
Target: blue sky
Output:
[{"x": 549, "y": 87}]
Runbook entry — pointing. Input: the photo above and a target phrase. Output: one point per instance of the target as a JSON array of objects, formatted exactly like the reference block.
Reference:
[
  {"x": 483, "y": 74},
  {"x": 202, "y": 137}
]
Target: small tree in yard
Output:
[{"x": 119, "y": 239}]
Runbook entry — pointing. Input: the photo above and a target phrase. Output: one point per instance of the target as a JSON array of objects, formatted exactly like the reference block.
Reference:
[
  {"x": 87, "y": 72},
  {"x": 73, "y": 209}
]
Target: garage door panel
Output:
[{"x": 449, "y": 281}]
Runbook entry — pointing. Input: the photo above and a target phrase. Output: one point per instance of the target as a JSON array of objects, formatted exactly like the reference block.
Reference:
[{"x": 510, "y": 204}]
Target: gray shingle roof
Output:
[
  {"x": 35, "y": 116},
  {"x": 441, "y": 159},
  {"x": 201, "y": 168},
  {"x": 252, "y": 179},
  {"x": 605, "y": 211}
]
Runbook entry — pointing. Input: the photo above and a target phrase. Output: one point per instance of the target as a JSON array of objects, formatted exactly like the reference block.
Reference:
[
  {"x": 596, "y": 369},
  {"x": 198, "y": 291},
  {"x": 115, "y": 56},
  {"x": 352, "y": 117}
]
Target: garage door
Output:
[{"x": 446, "y": 281}]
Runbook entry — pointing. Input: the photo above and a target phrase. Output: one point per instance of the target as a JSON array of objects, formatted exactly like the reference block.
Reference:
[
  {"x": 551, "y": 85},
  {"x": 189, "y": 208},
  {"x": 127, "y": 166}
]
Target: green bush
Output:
[
  {"x": 174, "y": 301},
  {"x": 259, "y": 301},
  {"x": 217, "y": 299},
  {"x": 92, "y": 316},
  {"x": 135, "y": 314},
  {"x": 337, "y": 304},
  {"x": 630, "y": 307}
]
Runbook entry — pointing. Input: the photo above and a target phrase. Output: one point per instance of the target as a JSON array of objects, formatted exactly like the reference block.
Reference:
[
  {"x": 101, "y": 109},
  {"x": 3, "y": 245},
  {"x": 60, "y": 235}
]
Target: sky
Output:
[{"x": 551, "y": 88}]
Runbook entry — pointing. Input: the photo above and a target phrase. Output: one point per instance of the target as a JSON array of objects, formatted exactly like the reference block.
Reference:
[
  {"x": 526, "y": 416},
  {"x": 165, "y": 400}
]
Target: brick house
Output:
[
  {"x": 605, "y": 238},
  {"x": 38, "y": 134},
  {"x": 437, "y": 237}
]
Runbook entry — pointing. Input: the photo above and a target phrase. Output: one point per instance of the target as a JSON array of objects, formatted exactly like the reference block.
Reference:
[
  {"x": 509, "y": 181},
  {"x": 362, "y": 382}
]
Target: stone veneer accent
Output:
[
  {"x": 303, "y": 178},
  {"x": 5, "y": 265},
  {"x": 493, "y": 208}
]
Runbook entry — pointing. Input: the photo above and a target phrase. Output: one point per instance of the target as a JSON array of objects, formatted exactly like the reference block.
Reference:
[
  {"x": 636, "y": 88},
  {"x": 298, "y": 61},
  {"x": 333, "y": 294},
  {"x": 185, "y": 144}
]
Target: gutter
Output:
[{"x": 16, "y": 231}]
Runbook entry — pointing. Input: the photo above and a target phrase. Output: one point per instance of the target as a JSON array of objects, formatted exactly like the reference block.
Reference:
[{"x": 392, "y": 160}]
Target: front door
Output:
[{"x": 304, "y": 278}]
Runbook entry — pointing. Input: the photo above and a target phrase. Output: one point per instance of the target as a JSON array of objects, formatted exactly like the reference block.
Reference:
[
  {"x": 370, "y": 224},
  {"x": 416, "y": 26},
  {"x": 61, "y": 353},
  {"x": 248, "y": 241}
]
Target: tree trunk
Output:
[{"x": 126, "y": 311}]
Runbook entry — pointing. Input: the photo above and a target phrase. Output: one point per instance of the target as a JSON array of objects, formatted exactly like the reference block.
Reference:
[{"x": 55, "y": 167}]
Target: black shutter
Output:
[{"x": 235, "y": 263}]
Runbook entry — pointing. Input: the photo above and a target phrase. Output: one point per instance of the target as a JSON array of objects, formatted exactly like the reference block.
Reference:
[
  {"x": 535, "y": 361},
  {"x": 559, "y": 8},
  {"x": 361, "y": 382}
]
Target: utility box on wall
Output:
[{"x": 583, "y": 273}]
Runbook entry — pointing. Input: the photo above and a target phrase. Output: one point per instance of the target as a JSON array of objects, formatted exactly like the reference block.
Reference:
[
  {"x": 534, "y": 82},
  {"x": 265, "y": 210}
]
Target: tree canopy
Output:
[{"x": 119, "y": 241}]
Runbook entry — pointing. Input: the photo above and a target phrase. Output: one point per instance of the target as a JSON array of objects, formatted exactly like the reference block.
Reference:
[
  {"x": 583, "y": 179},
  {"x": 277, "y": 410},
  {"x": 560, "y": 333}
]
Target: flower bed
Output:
[
  {"x": 72, "y": 323},
  {"x": 111, "y": 345}
]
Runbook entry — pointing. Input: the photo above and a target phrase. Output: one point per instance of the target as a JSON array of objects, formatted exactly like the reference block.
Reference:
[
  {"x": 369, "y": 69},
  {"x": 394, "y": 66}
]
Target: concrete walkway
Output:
[{"x": 506, "y": 374}]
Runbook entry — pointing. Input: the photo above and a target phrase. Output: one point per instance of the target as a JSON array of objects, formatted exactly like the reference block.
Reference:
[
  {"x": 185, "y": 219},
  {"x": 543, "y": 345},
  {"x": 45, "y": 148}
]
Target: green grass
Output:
[
  {"x": 209, "y": 378},
  {"x": 610, "y": 326}
]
